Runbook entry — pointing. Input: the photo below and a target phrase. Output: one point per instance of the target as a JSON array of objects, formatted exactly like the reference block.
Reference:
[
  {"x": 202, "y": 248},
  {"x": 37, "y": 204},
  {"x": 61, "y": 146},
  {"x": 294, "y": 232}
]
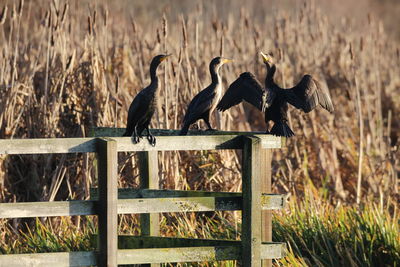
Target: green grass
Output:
[
  {"x": 322, "y": 235},
  {"x": 42, "y": 237},
  {"x": 317, "y": 234}
]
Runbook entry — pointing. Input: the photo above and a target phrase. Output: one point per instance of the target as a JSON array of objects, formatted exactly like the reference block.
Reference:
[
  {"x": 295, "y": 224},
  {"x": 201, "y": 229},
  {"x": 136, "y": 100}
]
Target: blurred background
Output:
[{"x": 59, "y": 66}]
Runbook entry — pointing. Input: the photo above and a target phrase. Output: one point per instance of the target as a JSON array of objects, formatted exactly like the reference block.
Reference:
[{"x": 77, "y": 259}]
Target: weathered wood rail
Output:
[{"x": 107, "y": 201}]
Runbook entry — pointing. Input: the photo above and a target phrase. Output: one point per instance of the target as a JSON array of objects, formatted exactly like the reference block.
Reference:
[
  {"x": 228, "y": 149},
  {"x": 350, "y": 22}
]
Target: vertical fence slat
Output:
[
  {"x": 107, "y": 205},
  {"x": 251, "y": 221},
  {"x": 148, "y": 167},
  {"x": 266, "y": 215}
]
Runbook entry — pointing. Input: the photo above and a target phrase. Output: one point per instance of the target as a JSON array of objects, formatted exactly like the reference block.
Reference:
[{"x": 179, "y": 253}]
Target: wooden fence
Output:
[{"x": 107, "y": 201}]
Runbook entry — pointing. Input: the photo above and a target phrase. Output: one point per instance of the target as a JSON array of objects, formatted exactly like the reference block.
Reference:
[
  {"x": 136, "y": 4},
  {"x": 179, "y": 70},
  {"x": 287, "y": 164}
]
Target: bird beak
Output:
[
  {"x": 226, "y": 60},
  {"x": 165, "y": 57},
  {"x": 266, "y": 58}
]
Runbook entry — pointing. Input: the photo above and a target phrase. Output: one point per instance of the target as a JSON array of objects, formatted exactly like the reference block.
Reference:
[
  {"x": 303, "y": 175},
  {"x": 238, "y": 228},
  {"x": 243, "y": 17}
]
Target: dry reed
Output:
[{"x": 59, "y": 78}]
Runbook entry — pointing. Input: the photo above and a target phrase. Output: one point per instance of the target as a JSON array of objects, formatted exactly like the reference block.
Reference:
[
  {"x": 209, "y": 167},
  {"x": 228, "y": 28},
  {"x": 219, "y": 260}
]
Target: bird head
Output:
[
  {"x": 267, "y": 58},
  {"x": 158, "y": 59},
  {"x": 156, "y": 62},
  {"x": 164, "y": 57},
  {"x": 217, "y": 62}
]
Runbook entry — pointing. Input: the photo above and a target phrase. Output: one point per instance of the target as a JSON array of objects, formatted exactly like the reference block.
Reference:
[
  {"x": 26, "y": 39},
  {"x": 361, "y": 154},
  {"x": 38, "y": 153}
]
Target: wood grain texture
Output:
[
  {"x": 107, "y": 203},
  {"x": 195, "y": 250},
  {"x": 148, "y": 170},
  {"x": 47, "y": 209},
  {"x": 125, "y": 144},
  {"x": 47, "y": 145},
  {"x": 195, "y": 254},
  {"x": 148, "y": 179},
  {"x": 266, "y": 217},
  {"x": 193, "y": 204},
  {"x": 153, "y": 201},
  {"x": 251, "y": 214},
  {"x": 59, "y": 259},
  {"x": 267, "y": 140},
  {"x": 185, "y": 254},
  {"x": 269, "y": 250}
]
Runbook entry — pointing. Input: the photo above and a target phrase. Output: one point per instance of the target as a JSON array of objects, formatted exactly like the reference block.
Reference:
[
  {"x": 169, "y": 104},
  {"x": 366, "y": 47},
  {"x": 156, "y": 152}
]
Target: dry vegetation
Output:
[{"x": 60, "y": 62}]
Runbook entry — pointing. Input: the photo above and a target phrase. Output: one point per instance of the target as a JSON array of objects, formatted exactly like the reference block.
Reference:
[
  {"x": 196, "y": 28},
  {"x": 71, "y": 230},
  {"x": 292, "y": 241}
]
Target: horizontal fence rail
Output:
[
  {"x": 140, "y": 201},
  {"x": 222, "y": 140},
  {"x": 47, "y": 209},
  {"x": 59, "y": 259},
  {"x": 142, "y": 255}
]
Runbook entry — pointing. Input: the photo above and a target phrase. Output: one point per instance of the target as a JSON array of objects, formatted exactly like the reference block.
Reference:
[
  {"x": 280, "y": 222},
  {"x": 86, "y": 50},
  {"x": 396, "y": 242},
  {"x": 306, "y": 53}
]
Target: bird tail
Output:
[
  {"x": 184, "y": 130},
  {"x": 281, "y": 128}
]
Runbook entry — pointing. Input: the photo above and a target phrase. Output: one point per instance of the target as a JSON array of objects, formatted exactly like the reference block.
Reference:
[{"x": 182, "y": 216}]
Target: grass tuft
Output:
[{"x": 322, "y": 235}]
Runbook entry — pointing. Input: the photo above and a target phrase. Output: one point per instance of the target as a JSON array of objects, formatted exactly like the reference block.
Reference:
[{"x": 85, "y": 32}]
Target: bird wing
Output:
[
  {"x": 199, "y": 104},
  {"x": 137, "y": 110},
  {"x": 307, "y": 94},
  {"x": 247, "y": 88},
  {"x": 324, "y": 98}
]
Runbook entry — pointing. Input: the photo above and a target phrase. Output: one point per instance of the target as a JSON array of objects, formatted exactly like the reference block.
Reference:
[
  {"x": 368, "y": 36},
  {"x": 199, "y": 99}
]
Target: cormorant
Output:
[
  {"x": 204, "y": 103},
  {"x": 272, "y": 100},
  {"x": 143, "y": 106}
]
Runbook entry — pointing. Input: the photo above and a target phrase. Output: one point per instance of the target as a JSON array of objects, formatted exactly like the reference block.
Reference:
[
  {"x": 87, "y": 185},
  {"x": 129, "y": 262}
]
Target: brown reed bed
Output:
[{"x": 67, "y": 66}]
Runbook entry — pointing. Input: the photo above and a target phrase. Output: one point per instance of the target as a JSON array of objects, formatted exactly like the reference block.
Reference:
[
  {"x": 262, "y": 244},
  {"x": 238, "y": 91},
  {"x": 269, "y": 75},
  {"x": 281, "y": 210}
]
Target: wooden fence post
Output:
[
  {"x": 148, "y": 168},
  {"x": 251, "y": 214},
  {"x": 266, "y": 215},
  {"x": 107, "y": 203}
]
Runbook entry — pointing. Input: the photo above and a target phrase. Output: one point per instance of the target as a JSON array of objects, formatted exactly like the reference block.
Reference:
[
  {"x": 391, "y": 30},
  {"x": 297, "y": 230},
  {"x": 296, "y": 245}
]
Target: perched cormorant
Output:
[
  {"x": 272, "y": 100},
  {"x": 143, "y": 106},
  {"x": 204, "y": 103}
]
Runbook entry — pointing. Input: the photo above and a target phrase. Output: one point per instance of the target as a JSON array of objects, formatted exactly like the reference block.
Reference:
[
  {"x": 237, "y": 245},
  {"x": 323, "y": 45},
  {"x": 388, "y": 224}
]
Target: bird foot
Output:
[
  {"x": 136, "y": 139},
  {"x": 211, "y": 130},
  {"x": 152, "y": 140}
]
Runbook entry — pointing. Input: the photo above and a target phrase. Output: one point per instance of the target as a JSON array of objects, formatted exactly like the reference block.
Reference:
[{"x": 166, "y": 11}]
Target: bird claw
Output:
[
  {"x": 136, "y": 139},
  {"x": 211, "y": 130},
  {"x": 152, "y": 140}
]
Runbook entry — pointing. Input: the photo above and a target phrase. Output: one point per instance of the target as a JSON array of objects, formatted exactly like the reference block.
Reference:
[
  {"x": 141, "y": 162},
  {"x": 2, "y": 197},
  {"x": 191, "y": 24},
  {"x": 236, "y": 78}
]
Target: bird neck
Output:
[
  {"x": 215, "y": 78},
  {"x": 153, "y": 72},
  {"x": 270, "y": 74}
]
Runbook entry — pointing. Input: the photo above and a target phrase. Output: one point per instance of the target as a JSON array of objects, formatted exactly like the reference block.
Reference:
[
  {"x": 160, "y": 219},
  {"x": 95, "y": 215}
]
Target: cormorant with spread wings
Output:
[{"x": 272, "y": 100}]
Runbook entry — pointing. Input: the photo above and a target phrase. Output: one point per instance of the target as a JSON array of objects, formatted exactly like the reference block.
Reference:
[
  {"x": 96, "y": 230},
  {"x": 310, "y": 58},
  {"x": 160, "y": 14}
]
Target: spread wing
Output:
[
  {"x": 247, "y": 88},
  {"x": 307, "y": 94}
]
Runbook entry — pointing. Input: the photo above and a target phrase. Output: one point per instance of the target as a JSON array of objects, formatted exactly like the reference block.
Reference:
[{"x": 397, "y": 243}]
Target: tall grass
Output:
[{"x": 319, "y": 234}]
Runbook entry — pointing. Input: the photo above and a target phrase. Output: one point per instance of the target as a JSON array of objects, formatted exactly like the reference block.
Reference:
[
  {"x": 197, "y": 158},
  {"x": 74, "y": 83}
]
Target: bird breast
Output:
[{"x": 217, "y": 98}]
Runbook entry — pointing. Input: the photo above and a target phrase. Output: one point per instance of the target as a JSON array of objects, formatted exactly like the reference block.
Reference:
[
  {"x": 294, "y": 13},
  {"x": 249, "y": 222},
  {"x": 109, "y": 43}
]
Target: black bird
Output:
[
  {"x": 204, "y": 103},
  {"x": 143, "y": 106},
  {"x": 272, "y": 100}
]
